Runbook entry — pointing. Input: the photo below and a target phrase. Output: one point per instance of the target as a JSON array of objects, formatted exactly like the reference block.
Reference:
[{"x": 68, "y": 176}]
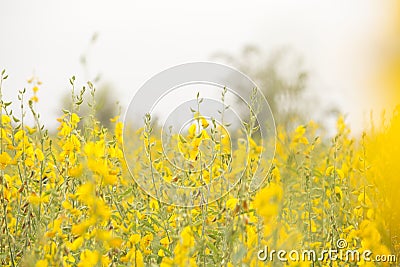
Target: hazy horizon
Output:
[{"x": 332, "y": 39}]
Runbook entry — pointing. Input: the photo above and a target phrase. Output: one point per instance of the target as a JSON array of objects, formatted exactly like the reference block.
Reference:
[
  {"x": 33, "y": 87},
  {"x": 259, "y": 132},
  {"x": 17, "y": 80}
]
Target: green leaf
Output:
[{"x": 182, "y": 139}]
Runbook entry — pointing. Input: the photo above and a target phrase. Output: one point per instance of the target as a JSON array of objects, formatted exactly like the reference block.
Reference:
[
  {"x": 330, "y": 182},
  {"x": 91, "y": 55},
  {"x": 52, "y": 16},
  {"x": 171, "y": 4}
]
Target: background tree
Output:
[
  {"x": 106, "y": 105},
  {"x": 284, "y": 82}
]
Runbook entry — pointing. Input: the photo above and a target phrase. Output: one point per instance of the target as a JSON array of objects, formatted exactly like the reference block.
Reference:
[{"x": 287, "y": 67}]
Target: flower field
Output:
[{"x": 67, "y": 198}]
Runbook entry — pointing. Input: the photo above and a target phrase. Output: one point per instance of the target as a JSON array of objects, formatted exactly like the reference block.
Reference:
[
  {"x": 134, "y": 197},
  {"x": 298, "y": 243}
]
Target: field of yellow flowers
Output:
[{"x": 68, "y": 198}]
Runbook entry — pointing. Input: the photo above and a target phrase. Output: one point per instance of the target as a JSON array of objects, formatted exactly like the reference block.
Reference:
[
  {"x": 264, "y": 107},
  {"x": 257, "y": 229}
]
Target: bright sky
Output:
[{"x": 139, "y": 39}]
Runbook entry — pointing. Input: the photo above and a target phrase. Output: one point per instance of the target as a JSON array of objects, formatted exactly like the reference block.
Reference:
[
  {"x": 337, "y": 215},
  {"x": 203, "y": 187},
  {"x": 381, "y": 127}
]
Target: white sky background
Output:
[{"x": 138, "y": 40}]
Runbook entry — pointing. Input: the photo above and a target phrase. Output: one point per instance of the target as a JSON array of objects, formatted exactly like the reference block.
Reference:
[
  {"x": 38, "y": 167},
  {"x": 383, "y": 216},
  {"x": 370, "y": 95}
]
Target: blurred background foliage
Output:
[
  {"x": 106, "y": 104},
  {"x": 280, "y": 75},
  {"x": 283, "y": 79}
]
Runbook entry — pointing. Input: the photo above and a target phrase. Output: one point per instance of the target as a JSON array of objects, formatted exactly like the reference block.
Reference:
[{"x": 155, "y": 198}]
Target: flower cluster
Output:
[{"x": 68, "y": 198}]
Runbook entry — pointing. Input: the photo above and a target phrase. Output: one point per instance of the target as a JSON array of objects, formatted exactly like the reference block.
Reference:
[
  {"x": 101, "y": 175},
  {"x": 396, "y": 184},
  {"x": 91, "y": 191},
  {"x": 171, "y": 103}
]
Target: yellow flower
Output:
[
  {"x": 75, "y": 171},
  {"x": 192, "y": 131},
  {"x": 42, "y": 263},
  {"x": 332, "y": 170},
  {"x": 329, "y": 170},
  {"x": 30, "y": 130},
  {"x": 29, "y": 162},
  {"x": 115, "y": 119},
  {"x": 231, "y": 203},
  {"x": 134, "y": 239},
  {"x": 5, "y": 119},
  {"x": 105, "y": 261},
  {"x": 5, "y": 159},
  {"x": 76, "y": 244},
  {"x": 79, "y": 229},
  {"x": 89, "y": 258},
  {"x": 165, "y": 241},
  {"x": 115, "y": 242},
  {"x": 85, "y": 192},
  {"x": 39, "y": 154},
  {"x": 161, "y": 253},
  {"x": 338, "y": 192},
  {"x": 204, "y": 122},
  {"x": 75, "y": 119},
  {"x": 69, "y": 258},
  {"x": 103, "y": 235},
  {"x": 110, "y": 179},
  {"x": 34, "y": 99},
  {"x": 340, "y": 173},
  {"x": 267, "y": 200},
  {"x": 36, "y": 200},
  {"x": 187, "y": 238},
  {"x": 66, "y": 205}
]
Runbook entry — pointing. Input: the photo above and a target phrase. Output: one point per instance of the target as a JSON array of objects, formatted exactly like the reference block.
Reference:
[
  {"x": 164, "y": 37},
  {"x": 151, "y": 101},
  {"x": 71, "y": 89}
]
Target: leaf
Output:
[
  {"x": 72, "y": 80},
  {"x": 182, "y": 139},
  {"x": 213, "y": 248}
]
